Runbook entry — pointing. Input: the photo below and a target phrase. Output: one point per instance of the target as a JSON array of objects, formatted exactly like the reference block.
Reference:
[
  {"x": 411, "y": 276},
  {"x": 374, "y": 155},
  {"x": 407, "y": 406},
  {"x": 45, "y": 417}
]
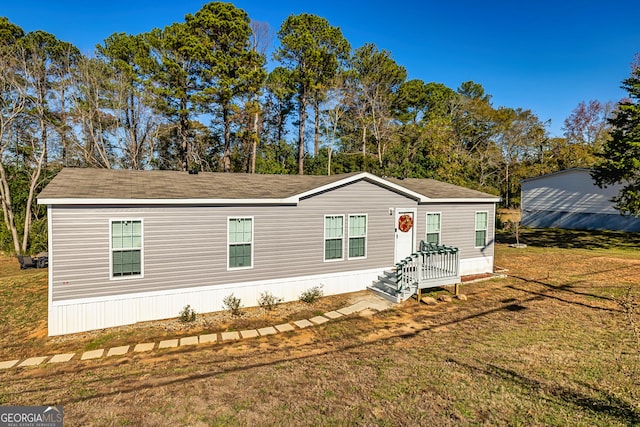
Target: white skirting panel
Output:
[
  {"x": 67, "y": 317},
  {"x": 476, "y": 265}
]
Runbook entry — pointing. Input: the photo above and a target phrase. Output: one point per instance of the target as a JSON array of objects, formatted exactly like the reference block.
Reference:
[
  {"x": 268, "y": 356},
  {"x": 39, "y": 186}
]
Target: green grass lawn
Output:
[{"x": 550, "y": 344}]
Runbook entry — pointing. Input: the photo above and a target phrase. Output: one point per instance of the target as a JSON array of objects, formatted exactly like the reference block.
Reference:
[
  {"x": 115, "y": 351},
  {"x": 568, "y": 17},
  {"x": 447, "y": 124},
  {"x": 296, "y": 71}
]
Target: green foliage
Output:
[
  {"x": 187, "y": 314},
  {"x": 233, "y": 304},
  {"x": 268, "y": 301},
  {"x": 312, "y": 294},
  {"x": 313, "y": 50},
  {"x": 620, "y": 159}
]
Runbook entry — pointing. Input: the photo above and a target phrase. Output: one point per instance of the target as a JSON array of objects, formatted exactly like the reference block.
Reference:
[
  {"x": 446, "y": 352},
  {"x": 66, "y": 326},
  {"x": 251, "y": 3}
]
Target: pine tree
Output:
[{"x": 620, "y": 159}]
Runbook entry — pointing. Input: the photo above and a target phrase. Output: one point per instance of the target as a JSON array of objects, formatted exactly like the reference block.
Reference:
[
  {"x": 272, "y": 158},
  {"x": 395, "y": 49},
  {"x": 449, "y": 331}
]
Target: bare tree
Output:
[
  {"x": 16, "y": 141},
  {"x": 95, "y": 125},
  {"x": 261, "y": 39}
]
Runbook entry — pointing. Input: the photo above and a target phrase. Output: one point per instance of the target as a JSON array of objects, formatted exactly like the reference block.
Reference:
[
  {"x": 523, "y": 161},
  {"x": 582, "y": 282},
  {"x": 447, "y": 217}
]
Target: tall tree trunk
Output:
[
  {"x": 507, "y": 183},
  {"x": 184, "y": 135},
  {"x": 303, "y": 119},
  {"x": 256, "y": 138},
  {"x": 226, "y": 161},
  {"x": 316, "y": 130},
  {"x": 63, "y": 127},
  {"x": 35, "y": 177},
  {"x": 7, "y": 210}
]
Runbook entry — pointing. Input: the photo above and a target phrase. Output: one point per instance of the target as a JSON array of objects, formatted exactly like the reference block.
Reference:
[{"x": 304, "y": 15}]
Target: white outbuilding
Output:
[{"x": 570, "y": 199}]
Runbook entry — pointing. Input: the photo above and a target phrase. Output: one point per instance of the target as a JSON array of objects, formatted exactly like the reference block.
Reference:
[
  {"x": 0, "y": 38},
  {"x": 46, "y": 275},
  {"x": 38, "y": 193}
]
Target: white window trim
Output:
[
  {"x": 324, "y": 240},
  {"x": 426, "y": 225},
  {"x": 133, "y": 276},
  {"x": 486, "y": 229},
  {"x": 366, "y": 235},
  {"x": 229, "y": 268}
]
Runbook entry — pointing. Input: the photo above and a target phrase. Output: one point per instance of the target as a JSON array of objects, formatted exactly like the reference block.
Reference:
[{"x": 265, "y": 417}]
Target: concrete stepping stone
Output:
[
  {"x": 285, "y": 327},
  {"x": 92, "y": 354},
  {"x": 168, "y": 343},
  {"x": 304, "y": 323},
  {"x": 269, "y": 330},
  {"x": 189, "y": 341},
  {"x": 332, "y": 314},
  {"x": 207, "y": 338},
  {"x": 118, "y": 351},
  {"x": 8, "y": 364},
  {"x": 226, "y": 336},
  {"x": 60, "y": 358},
  {"x": 379, "y": 306},
  {"x": 33, "y": 361},
  {"x": 319, "y": 320},
  {"x": 367, "y": 312},
  {"x": 349, "y": 310},
  {"x": 251, "y": 333},
  {"x": 145, "y": 346}
]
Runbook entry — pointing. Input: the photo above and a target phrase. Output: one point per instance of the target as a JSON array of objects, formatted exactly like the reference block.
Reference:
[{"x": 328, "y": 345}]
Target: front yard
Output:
[{"x": 551, "y": 344}]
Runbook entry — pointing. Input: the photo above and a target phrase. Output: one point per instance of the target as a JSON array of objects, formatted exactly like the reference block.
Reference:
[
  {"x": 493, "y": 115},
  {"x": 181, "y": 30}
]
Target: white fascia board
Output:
[
  {"x": 73, "y": 201},
  {"x": 467, "y": 200}
]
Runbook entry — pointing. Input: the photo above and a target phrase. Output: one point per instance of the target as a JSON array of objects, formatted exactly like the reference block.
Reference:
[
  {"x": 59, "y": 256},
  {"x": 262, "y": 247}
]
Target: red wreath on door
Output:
[{"x": 405, "y": 222}]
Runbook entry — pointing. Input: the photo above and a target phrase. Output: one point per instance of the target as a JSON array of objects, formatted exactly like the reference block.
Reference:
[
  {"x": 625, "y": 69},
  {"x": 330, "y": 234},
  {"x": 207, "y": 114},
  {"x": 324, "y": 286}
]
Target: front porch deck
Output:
[{"x": 432, "y": 266}]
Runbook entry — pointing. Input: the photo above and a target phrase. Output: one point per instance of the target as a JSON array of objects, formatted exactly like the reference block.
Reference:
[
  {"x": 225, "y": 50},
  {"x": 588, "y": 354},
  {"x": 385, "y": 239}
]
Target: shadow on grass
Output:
[
  {"x": 606, "y": 403},
  {"x": 601, "y": 401},
  {"x": 572, "y": 239}
]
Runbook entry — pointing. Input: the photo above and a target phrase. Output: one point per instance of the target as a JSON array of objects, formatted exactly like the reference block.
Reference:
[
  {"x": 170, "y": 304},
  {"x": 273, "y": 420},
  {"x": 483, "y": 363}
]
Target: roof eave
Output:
[
  {"x": 466, "y": 200},
  {"x": 198, "y": 201}
]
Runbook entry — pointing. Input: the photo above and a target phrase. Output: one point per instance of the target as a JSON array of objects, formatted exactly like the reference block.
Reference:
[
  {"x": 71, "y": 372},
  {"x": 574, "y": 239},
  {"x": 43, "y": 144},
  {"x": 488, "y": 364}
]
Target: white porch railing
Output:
[{"x": 431, "y": 266}]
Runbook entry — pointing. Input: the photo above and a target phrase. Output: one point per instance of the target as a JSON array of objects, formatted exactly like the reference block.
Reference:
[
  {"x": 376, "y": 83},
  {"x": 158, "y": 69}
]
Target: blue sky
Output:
[{"x": 546, "y": 56}]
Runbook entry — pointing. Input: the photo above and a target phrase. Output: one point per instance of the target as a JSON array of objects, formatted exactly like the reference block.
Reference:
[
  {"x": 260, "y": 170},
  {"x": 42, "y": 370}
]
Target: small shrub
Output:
[
  {"x": 311, "y": 295},
  {"x": 233, "y": 304},
  {"x": 187, "y": 314},
  {"x": 268, "y": 301}
]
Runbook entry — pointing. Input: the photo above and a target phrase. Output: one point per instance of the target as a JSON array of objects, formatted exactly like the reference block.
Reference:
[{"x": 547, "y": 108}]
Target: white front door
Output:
[{"x": 405, "y": 233}]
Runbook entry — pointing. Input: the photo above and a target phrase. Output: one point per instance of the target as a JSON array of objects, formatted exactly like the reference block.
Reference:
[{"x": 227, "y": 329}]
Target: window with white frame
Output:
[
  {"x": 481, "y": 228},
  {"x": 433, "y": 228},
  {"x": 126, "y": 248},
  {"x": 333, "y": 237},
  {"x": 240, "y": 231},
  {"x": 357, "y": 236}
]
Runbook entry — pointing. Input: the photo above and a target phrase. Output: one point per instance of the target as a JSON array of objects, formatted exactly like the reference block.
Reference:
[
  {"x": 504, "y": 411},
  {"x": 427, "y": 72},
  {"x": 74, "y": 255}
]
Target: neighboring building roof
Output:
[
  {"x": 562, "y": 172},
  {"x": 101, "y": 186}
]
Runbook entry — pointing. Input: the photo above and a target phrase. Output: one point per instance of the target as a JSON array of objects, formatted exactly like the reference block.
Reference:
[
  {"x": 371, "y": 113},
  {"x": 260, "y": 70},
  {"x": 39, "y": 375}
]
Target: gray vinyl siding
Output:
[
  {"x": 186, "y": 246},
  {"x": 457, "y": 226}
]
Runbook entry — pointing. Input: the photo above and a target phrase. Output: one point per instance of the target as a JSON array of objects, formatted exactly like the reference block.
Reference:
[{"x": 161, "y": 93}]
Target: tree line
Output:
[{"x": 198, "y": 95}]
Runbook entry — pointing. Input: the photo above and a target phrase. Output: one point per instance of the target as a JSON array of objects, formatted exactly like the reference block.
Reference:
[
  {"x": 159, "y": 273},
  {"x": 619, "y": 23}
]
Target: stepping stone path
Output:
[
  {"x": 33, "y": 361},
  {"x": 168, "y": 343},
  {"x": 267, "y": 331},
  {"x": 372, "y": 303},
  {"x": 60, "y": 358},
  {"x": 92, "y": 354},
  {"x": 189, "y": 341},
  {"x": 249, "y": 334},
  {"x": 118, "y": 351},
  {"x": 145, "y": 346}
]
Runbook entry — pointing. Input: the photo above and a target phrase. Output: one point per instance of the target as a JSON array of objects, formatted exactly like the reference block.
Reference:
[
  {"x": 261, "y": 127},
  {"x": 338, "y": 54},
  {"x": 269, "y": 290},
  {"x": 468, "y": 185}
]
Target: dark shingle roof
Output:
[
  {"x": 72, "y": 183},
  {"x": 439, "y": 190},
  {"x": 155, "y": 184}
]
